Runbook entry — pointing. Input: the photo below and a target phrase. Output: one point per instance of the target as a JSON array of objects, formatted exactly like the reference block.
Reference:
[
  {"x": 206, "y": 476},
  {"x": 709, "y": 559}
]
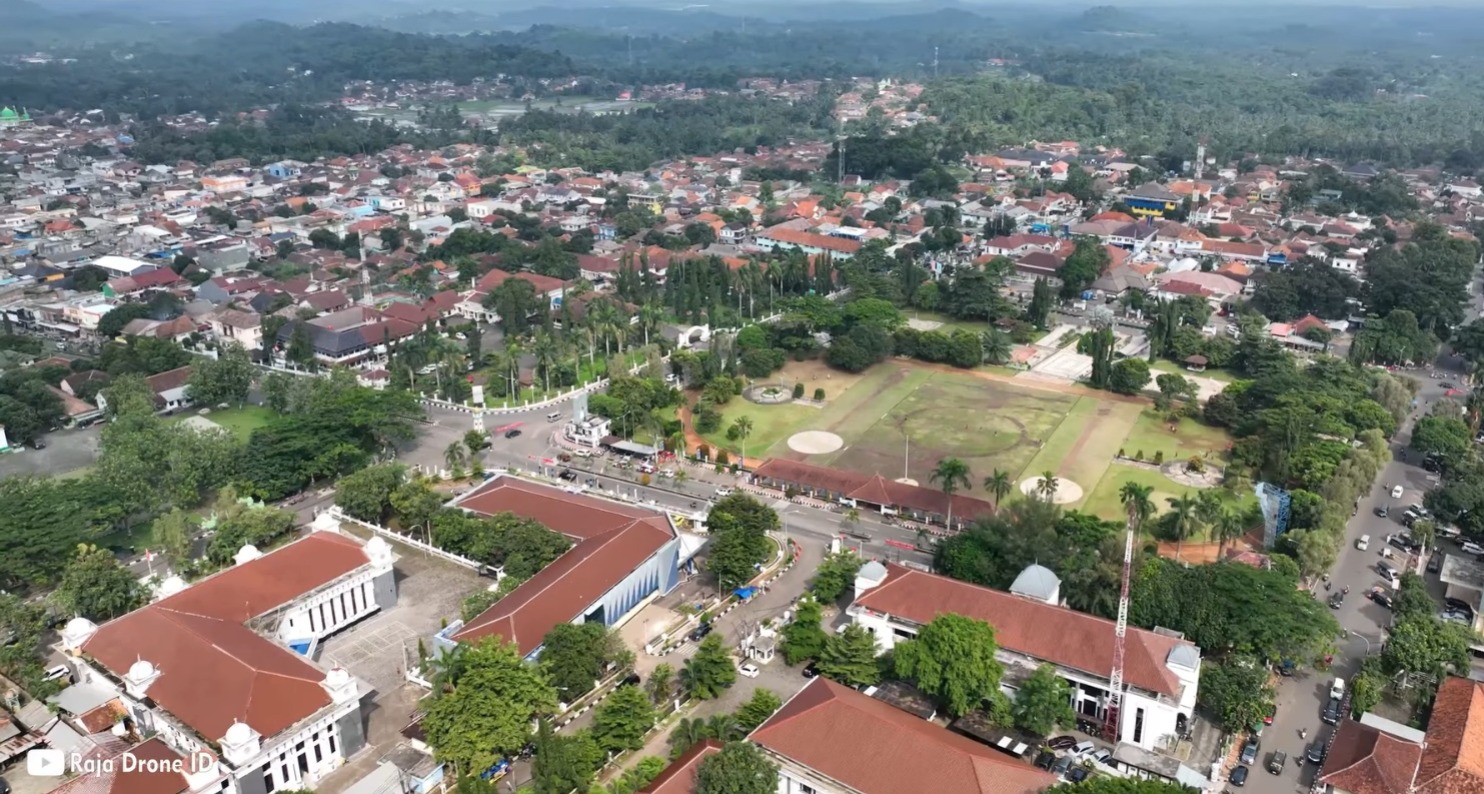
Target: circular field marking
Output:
[
  {"x": 1067, "y": 491},
  {"x": 907, "y": 481},
  {"x": 815, "y": 442}
]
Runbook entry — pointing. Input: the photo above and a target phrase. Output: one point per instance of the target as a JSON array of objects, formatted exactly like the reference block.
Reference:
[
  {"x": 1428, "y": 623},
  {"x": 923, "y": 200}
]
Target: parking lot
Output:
[{"x": 66, "y": 451}]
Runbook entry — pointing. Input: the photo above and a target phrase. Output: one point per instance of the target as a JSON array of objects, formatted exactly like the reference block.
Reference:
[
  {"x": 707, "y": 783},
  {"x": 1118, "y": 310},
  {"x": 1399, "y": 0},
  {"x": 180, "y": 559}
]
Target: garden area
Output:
[{"x": 239, "y": 421}]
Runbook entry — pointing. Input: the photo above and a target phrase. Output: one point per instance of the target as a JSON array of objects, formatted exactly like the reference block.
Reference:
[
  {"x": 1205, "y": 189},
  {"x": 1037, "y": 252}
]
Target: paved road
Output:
[{"x": 1301, "y": 699}]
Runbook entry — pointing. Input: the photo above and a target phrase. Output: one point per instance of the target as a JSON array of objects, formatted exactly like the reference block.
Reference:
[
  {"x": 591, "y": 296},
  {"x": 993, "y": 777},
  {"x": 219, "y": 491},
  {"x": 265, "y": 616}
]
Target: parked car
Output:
[
  {"x": 1457, "y": 605},
  {"x": 1238, "y": 776},
  {"x": 1379, "y": 596},
  {"x": 1272, "y": 712},
  {"x": 1435, "y": 563},
  {"x": 749, "y": 670},
  {"x": 1249, "y": 752},
  {"x": 1315, "y": 753},
  {"x": 1077, "y": 775},
  {"x": 60, "y": 671},
  {"x": 1062, "y": 766},
  {"x": 810, "y": 671},
  {"x": 568, "y": 475},
  {"x": 1083, "y": 748},
  {"x": 1470, "y": 547},
  {"x": 1062, "y": 742},
  {"x": 1456, "y": 617},
  {"x": 1331, "y": 715},
  {"x": 1045, "y": 759}
]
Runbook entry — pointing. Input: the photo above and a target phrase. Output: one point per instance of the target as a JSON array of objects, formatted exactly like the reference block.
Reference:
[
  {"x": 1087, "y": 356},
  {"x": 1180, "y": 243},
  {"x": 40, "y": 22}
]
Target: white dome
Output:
[
  {"x": 239, "y": 733},
  {"x": 79, "y": 626},
  {"x": 1038, "y": 582},
  {"x": 172, "y": 585},
  {"x": 378, "y": 549},
  {"x": 141, "y": 671},
  {"x": 248, "y": 553},
  {"x": 337, "y": 677}
]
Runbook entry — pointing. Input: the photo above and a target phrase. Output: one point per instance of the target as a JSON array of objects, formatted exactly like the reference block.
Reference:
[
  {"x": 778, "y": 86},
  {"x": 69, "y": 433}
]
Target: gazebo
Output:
[{"x": 1196, "y": 363}]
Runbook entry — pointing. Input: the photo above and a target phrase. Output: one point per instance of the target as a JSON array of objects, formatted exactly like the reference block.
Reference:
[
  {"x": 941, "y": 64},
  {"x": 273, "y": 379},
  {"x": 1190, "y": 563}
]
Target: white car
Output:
[
  {"x": 750, "y": 670},
  {"x": 60, "y": 671},
  {"x": 1470, "y": 547},
  {"x": 724, "y": 491},
  {"x": 1396, "y": 492}
]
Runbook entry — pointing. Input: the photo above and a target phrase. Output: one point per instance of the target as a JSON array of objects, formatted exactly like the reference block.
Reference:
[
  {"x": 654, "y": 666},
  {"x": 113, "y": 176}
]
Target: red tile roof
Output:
[
  {"x": 872, "y": 488},
  {"x": 111, "y": 779},
  {"x": 543, "y": 284},
  {"x": 812, "y": 240},
  {"x": 875, "y": 748},
  {"x": 1364, "y": 760},
  {"x": 1054, "y": 634},
  {"x": 214, "y": 670},
  {"x": 681, "y": 775},
  {"x": 611, "y": 541},
  {"x": 1453, "y": 762}
]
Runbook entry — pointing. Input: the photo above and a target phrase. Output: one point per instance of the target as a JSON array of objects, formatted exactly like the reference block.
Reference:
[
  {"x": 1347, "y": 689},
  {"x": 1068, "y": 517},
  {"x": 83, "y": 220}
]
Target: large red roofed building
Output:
[
  {"x": 225, "y": 664},
  {"x": 831, "y": 739},
  {"x": 1161, "y": 669},
  {"x": 621, "y": 556}
]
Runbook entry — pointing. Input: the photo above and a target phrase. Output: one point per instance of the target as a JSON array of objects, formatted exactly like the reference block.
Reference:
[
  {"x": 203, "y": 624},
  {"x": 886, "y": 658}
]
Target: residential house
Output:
[
  {"x": 170, "y": 388},
  {"x": 1161, "y": 669},
  {"x": 681, "y": 776},
  {"x": 1151, "y": 199},
  {"x": 243, "y": 327},
  {"x": 780, "y": 238},
  {"x": 1453, "y": 761},
  {"x": 1365, "y": 760}
]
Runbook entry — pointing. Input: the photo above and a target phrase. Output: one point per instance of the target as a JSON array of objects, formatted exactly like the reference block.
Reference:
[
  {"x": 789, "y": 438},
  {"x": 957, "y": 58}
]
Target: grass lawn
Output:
[
  {"x": 1085, "y": 442},
  {"x": 240, "y": 422},
  {"x": 1152, "y": 434},
  {"x": 947, "y": 324},
  {"x": 771, "y": 424},
  {"x": 988, "y": 424},
  {"x": 1103, "y": 501},
  {"x": 1165, "y": 365}
]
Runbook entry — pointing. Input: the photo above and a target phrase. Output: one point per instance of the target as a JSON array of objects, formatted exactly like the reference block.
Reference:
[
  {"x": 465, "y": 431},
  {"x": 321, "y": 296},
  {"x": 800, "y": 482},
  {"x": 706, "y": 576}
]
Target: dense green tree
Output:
[
  {"x": 1129, "y": 376},
  {"x": 95, "y": 586},
  {"x": 804, "y": 637},
  {"x": 564, "y": 763},
  {"x": 574, "y": 656},
  {"x": 484, "y": 709},
  {"x": 621, "y": 721},
  {"x": 710, "y": 671},
  {"x": 953, "y": 660},
  {"x": 849, "y": 657},
  {"x": 1042, "y": 702},
  {"x": 738, "y": 525},
  {"x": 740, "y": 768},
  {"x": 225, "y": 379},
  {"x": 366, "y": 494},
  {"x": 1235, "y": 691},
  {"x": 1087, "y": 262},
  {"x": 757, "y": 709},
  {"x": 1442, "y": 435},
  {"x": 835, "y": 575},
  {"x": 1306, "y": 287}
]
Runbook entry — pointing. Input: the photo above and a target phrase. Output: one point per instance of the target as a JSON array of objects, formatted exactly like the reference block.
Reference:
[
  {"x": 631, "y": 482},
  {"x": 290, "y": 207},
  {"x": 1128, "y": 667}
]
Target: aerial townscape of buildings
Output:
[{"x": 669, "y": 371}]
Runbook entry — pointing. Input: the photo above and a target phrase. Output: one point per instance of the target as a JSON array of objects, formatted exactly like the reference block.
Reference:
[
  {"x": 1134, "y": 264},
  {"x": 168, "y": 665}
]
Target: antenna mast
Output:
[
  {"x": 935, "y": 63},
  {"x": 1115, "y": 680},
  {"x": 839, "y": 150}
]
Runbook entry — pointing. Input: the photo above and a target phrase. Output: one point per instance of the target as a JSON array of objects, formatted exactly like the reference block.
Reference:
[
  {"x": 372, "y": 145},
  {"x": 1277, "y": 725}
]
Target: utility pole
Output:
[{"x": 935, "y": 63}]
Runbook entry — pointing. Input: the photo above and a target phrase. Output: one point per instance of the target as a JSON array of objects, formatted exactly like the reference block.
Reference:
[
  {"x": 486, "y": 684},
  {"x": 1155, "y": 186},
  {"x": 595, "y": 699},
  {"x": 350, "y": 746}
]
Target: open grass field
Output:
[
  {"x": 240, "y": 422},
  {"x": 900, "y": 418}
]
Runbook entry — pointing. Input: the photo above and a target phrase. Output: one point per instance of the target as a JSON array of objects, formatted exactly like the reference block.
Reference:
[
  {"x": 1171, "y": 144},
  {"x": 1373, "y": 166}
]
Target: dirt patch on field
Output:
[{"x": 815, "y": 374}]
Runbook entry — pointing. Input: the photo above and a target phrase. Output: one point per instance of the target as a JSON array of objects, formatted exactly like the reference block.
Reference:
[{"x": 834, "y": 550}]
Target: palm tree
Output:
[
  {"x": 1230, "y": 525},
  {"x": 650, "y": 315},
  {"x": 743, "y": 426},
  {"x": 1208, "y": 509},
  {"x": 544, "y": 346},
  {"x": 1184, "y": 522},
  {"x": 1136, "y": 502},
  {"x": 998, "y": 483},
  {"x": 513, "y": 353},
  {"x": 1048, "y": 485},
  {"x": 997, "y": 346},
  {"x": 723, "y": 727},
  {"x": 951, "y": 474},
  {"x": 687, "y": 734},
  {"x": 456, "y": 455}
]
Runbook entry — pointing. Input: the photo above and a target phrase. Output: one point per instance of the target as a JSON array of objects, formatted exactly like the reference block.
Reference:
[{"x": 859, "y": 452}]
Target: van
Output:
[
  {"x": 1337, "y": 689},
  {"x": 1390, "y": 574},
  {"x": 1364, "y": 542},
  {"x": 554, "y": 416}
]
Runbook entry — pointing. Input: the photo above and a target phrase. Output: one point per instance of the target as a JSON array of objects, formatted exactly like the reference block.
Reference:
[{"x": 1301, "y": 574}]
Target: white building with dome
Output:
[{"x": 226, "y": 664}]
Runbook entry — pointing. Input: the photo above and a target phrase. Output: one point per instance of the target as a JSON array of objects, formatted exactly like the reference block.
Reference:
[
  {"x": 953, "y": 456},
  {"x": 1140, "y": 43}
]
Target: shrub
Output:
[
  {"x": 819, "y": 394},
  {"x": 1195, "y": 464},
  {"x": 1159, "y": 457},
  {"x": 798, "y": 391},
  {"x": 644, "y": 479},
  {"x": 1139, "y": 455},
  {"x": 1120, "y": 453}
]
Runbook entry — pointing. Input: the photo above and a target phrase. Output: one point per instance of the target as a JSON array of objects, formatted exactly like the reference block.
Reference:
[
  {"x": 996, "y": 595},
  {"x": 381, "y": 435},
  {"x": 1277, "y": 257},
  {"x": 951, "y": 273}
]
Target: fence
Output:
[{"x": 339, "y": 515}]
